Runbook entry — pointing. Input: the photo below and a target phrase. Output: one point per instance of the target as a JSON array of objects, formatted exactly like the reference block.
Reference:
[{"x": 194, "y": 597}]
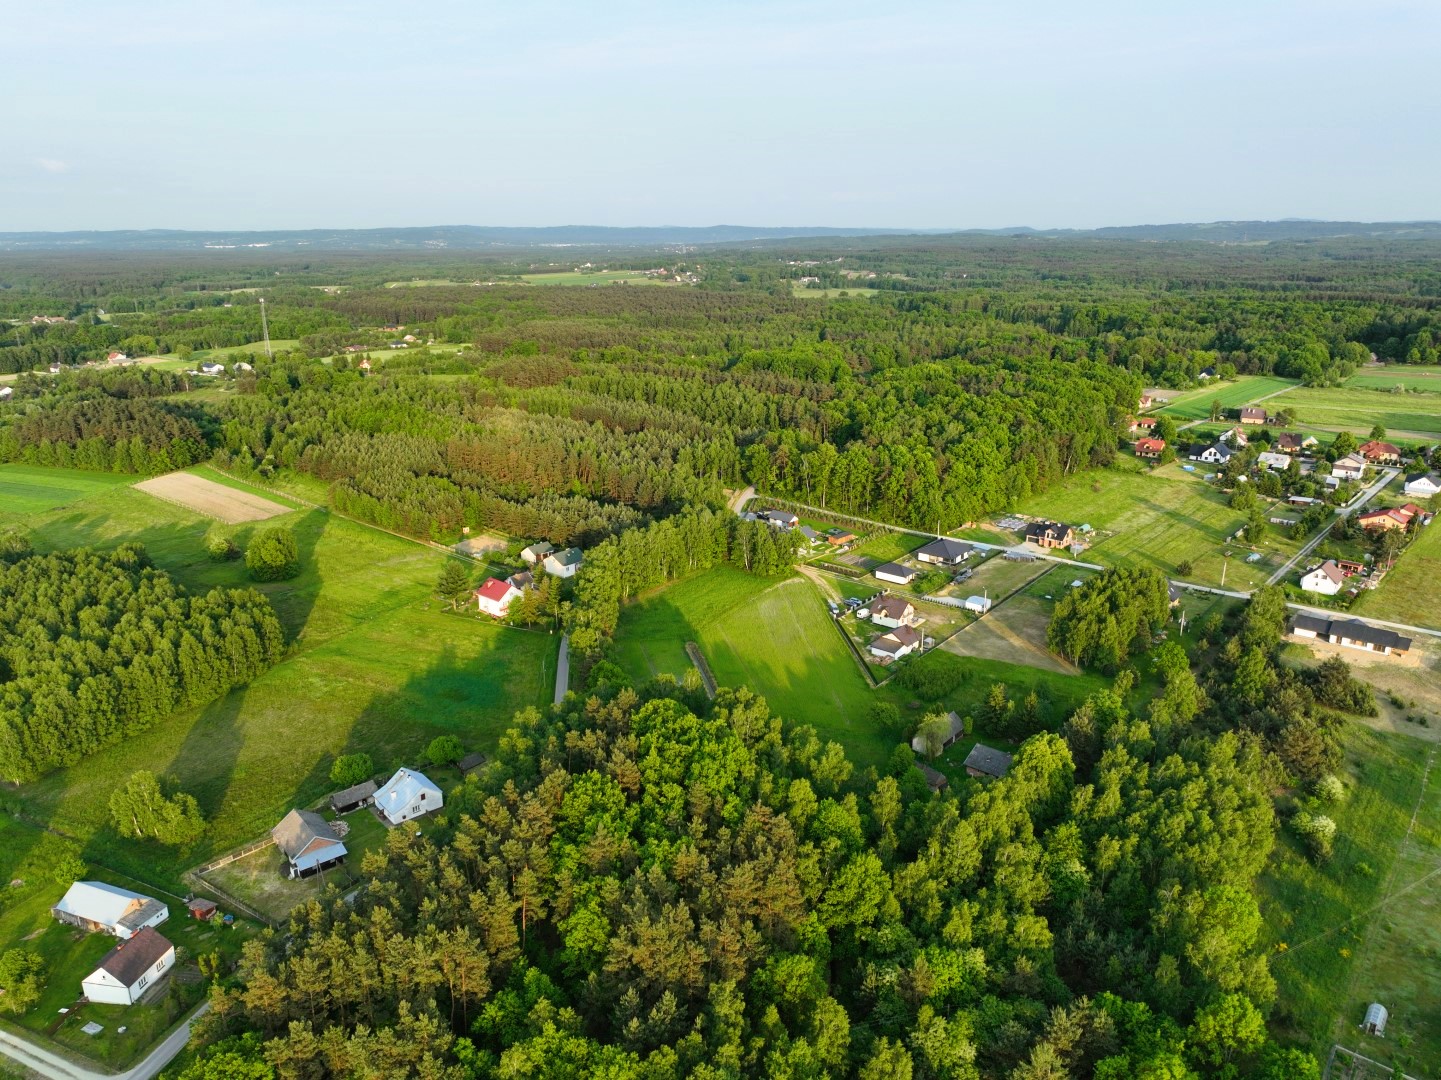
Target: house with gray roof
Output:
[
  {"x": 407, "y": 795},
  {"x": 98, "y": 907},
  {"x": 943, "y": 551},
  {"x": 308, "y": 843}
]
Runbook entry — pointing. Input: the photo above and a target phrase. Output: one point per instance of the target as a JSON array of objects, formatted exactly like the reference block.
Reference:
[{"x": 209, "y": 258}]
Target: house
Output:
[
  {"x": 987, "y": 761},
  {"x": 1215, "y": 454},
  {"x": 407, "y": 795},
  {"x": 1206, "y": 374},
  {"x": 116, "y": 358},
  {"x": 1142, "y": 423},
  {"x": 944, "y": 552},
  {"x": 212, "y": 369},
  {"x": 1148, "y": 399},
  {"x": 308, "y": 843},
  {"x": 1350, "y": 467},
  {"x": 1049, "y": 534},
  {"x": 1289, "y": 442},
  {"x": 956, "y": 730},
  {"x": 837, "y": 537},
  {"x": 563, "y": 563},
  {"x": 1150, "y": 448},
  {"x": 780, "y": 519},
  {"x": 902, "y": 641},
  {"x": 935, "y": 780},
  {"x": 472, "y": 761},
  {"x": 522, "y": 581},
  {"x": 364, "y": 364},
  {"x": 1380, "y": 453},
  {"x": 241, "y": 365},
  {"x": 6, "y": 391},
  {"x": 353, "y": 798},
  {"x": 494, "y": 597},
  {"x": 979, "y": 604},
  {"x": 895, "y": 573},
  {"x": 129, "y": 969},
  {"x": 1273, "y": 461},
  {"x": 1326, "y": 579},
  {"x": 892, "y": 611},
  {"x": 812, "y": 537},
  {"x": 1423, "y": 485},
  {"x": 99, "y": 908},
  {"x": 201, "y": 909},
  {"x": 1352, "y": 633},
  {"x": 1252, "y": 414},
  {"x": 1237, "y": 438},
  {"x": 1393, "y": 517},
  {"x": 535, "y": 553}
]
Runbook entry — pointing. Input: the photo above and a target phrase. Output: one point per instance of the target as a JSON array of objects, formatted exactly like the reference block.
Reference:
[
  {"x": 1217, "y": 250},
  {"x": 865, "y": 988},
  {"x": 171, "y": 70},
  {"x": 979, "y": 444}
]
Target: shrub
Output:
[
  {"x": 1330, "y": 789},
  {"x": 22, "y": 977},
  {"x": 272, "y": 555},
  {"x": 141, "y": 809},
  {"x": 1184, "y": 568},
  {"x": 934, "y": 675},
  {"x": 1317, "y": 832},
  {"x": 220, "y": 549},
  {"x": 444, "y": 749},
  {"x": 352, "y": 769}
]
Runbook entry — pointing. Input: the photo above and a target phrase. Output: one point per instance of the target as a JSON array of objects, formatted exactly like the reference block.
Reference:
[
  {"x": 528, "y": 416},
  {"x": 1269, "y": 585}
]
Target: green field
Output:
[
  {"x": 1409, "y": 592},
  {"x": 1366, "y": 925},
  {"x": 374, "y": 666},
  {"x": 1159, "y": 518},
  {"x": 277, "y": 345},
  {"x": 810, "y": 293},
  {"x": 34, "y": 489},
  {"x": 1423, "y": 379},
  {"x": 1358, "y": 410},
  {"x": 1196, "y": 404}
]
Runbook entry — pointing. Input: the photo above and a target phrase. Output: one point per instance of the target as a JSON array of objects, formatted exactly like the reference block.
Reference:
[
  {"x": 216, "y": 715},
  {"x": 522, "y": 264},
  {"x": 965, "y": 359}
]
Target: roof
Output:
[
  {"x": 1252, "y": 410},
  {"x": 1354, "y": 629},
  {"x": 892, "y": 607},
  {"x": 97, "y": 902},
  {"x": 895, "y": 570},
  {"x": 945, "y": 548},
  {"x": 523, "y": 580},
  {"x": 495, "y": 590},
  {"x": 1046, "y": 530},
  {"x": 1222, "y": 451},
  {"x": 402, "y": 789},
  {"x": 1399, "y": 514},
  {"x": 568, "y": 557},
  {"x": 809, "y": 533},
  {"x": 934, "y": 780},
  {"x": 1289, "y": 438},
  {"x": 1384, "y": 449},
  {"x": 298, "y": 829},
  {"x": 988, "y": 760},
  {"x": 1146, "y": 421},
  {"x": 1435, "y": 478},
  {"x": 540, "y": 548},
  {"x": 1355, "y": 461},
  {"x": 1313, "y": 623},
  {"x": 131, "y": 959},
  {"x": 1150, "y": 444},
  {"x": 472, "y": 760},
  {"x": 352, "y": 795},
  {"x": 1330, "y": 570},
  {"x": 956, "y": 730}
]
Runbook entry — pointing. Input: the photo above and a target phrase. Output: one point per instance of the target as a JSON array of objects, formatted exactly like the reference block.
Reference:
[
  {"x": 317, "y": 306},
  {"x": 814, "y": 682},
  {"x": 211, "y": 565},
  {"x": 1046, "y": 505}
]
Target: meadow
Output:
[
  {"x": 34, "y": 489},
  {"x": 1361, "y": 926},
  {"x": 1422, "y": 379},
  {"x": 1196, "y": 404},
  {"x": 1358, "y": 410},
  {"x": 1160, "y": 518},
  {"x": 804, "y": 292},
  {"x": 1408, "y": 592}
]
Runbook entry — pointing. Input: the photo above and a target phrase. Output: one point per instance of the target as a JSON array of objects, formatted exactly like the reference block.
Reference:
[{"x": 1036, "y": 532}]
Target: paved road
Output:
[
  {"x": 1366, "y": 496},
  {"x": 562, "y": 669},
  {"x": 54, "y": 1067},
  {"x": 740, "y": 498}
]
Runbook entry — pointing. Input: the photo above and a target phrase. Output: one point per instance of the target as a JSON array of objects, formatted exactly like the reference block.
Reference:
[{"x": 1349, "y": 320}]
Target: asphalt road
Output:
[{"x": 54, "y": 1067}]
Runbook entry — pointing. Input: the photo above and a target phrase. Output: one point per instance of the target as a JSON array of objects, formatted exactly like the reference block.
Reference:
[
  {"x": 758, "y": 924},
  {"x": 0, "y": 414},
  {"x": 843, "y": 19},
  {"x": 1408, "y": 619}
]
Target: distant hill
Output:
[{"x": 462, "y": 238}]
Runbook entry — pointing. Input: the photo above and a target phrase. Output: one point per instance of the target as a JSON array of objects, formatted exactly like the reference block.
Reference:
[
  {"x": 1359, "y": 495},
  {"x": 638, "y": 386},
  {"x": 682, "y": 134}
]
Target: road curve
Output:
[{"x": 53, "y": 1067}]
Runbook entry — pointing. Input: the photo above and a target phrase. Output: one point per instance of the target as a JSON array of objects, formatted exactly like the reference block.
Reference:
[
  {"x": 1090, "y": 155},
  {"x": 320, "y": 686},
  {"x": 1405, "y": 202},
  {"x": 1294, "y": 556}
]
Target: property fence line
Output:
[
  {"x": 239, "y": 853},
  {"x": 706, "y": 678},
  {"x": 1359, "y": 1067},
  {"x": 228, "y": 900}
]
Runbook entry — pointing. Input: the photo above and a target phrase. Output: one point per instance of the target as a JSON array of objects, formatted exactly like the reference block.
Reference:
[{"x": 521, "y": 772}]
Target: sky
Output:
[{"x": 277, "y": 115}]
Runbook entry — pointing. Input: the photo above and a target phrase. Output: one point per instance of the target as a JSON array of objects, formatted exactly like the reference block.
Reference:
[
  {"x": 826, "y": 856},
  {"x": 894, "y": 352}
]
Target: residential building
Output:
[
  {"x": 1326, "y": 579},
  {"x": 1423, "y": 485},
  {"x": 1147, "y": 400},
  {"x": 987, "y": 761},
  {"x": 563, "y": 563},
  {"x": 522, "y": 580},
  {"x": 407, "y": 795},
  {"x": 892, "y": 611},
  {"x": 1237, "y": 438},
  {"x": 895, "y": 573},
  {"x": 1215, "y": 454},
  {"x": 1142, "y": 423},
  {"x": 99, "y": 908},
  {"x": 1252, "y": 414},
  {"x": 1352, "y": 633},
  {"x": 979, "y": 604},
  {"x": 1272, "y": 460},
  {"x": 944, "y": 552},
  {"x": 1350, "y": 467},
  {"x": 130, "y": 969},
  {"x": 902, "y": 641},
  {"x": 116, "y": 358},
  {"x": 1150, "y": 448},
  {"x": 1049, "y": 534},
  {"x": 494, "y": 597},
  {"x": 212, "y": 369},
  {"x": 1206, "y": 374},
  {"x": 308, "y": 843},
  {"x": 536, "y": 552},
  {"x": 955, "y": 731},
  {"x": 1380, "y": 453},
  {"x": 780, "y": 519},
  {"x": 1392, "y": 517},
  {"x": 353, "y": 798}
]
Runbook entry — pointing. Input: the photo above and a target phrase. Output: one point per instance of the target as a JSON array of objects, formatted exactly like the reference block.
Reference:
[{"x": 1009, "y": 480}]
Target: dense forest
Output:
[
  {"x": 96, "y": 647},
  {"x": 641, "y": 885}
]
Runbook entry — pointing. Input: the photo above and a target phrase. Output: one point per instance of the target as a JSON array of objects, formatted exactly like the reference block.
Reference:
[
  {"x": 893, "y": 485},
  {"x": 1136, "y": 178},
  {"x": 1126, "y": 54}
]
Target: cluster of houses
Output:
[
  {"x": 142, "y": 957},
  {"x": 788, "y": 522},
  {"x": 983, "y": 762},
  {"x": 495, "y": 595}
]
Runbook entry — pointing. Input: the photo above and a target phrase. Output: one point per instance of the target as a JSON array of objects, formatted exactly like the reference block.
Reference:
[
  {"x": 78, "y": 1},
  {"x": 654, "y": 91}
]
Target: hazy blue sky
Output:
[{"x": 292, "y": 115}]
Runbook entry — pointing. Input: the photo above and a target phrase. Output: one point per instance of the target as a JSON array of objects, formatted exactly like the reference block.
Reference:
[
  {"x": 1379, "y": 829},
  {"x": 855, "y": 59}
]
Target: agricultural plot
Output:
[
  {"x": 595, "y": 277},
  {"x": 1015, "y": 633},
  {"x": 805, "y": 293},
  {"x": 1398, "y": 377},
  {"x": 1358, "y": 410},
  {"x": 1196, "y": 404},
  {"x": 34, "y": 489},
  {"x": 226, "y": 503}
]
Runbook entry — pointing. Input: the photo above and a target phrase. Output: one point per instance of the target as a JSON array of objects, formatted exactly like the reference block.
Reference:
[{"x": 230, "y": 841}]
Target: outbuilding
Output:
[
  {"x": 895, "y": 573},
  {"x": 98, "y": 907},
  {"x": 987, "y": 761},
  {"x": 353, "y": 798},
  {"x": 979, "y": 604},
  {"x": 1375, "y": 1022}
]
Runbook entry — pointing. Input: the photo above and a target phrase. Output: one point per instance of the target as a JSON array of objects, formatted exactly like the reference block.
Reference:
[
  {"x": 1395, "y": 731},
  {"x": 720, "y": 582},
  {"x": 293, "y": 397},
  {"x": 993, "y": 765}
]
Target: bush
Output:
[
  {"x": 272, "y": 556},
  {"x": 220, "y": 549},
  {"x": 1317, "y": 832},
  {"x": 352, "y": 769},
  {"x": 444, "y": 750},
  {"x": 1330, "y": 789},
  {"x": 1184, "y": 568},
  {"x": 934, "y": 675},
  {"x": 22, "y": 977},
  {"x": 141, "y": 809}
]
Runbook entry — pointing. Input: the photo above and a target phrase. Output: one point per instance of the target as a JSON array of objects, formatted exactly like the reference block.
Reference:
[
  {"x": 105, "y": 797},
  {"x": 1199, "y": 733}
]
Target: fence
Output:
[{"x": 238, "y": 853}]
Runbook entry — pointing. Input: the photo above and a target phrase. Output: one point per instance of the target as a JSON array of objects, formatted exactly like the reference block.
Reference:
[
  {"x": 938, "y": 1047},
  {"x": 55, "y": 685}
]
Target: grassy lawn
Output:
[
  {"x": 594, "y": 277},
  {"x": 1408, "y": 593},
  {"x": 277, "y": 345},
  {"x": 1196, "y": 404},
  {"x": 887, "y": 546},
  {"x": 34, "y": 489},
  {"x": 1161, "y": 518},
  {"x": 1344, "y": 932},
  {"x": 1357, "y": 410}
]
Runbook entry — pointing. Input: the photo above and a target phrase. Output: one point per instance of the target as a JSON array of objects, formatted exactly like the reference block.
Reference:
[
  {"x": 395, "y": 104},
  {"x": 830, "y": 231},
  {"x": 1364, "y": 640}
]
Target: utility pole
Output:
[{"x": 265, "y": 329}]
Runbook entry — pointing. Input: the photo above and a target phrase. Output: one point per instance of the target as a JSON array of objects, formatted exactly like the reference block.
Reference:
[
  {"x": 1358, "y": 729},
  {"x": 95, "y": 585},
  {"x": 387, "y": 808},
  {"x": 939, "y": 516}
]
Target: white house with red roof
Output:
[{"x": 494, "y": 597}]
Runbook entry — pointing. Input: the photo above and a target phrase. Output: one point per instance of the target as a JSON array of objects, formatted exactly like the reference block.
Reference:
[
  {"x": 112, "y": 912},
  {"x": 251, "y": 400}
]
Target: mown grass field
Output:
[
  {"x": 34, "y": 489},
  {"x": 594, "y": 277},
  {"x": 374, "y": 665},
  {"x": 1160, "y": 518},
  {"x": 1424, "y": 379},
  {"x": 1196, "y": 404},
  {"x": 1358, "y": 410},
  {"x": 1365, "y": 925},
  {"x": 277, "y": 345},
  {"x": 809, "y": 293},
  {"x": 1409, "y": 592}
]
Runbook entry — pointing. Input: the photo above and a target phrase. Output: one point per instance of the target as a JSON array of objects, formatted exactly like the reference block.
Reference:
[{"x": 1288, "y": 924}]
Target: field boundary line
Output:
[{"x": 698, "y": 659}]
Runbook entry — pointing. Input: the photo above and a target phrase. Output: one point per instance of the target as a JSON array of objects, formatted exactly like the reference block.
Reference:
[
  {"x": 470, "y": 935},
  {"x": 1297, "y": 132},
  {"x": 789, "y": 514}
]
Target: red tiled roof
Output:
[{"x": 493, "y": 589}]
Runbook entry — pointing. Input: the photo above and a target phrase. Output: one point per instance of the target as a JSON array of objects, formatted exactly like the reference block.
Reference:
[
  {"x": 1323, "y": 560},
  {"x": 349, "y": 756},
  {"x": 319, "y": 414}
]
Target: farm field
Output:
[
  {"x": 595, "y": 277},
  {"x": 229, "y": 503},
  {"x": 1160, "y": 518},
  {"x": 34, "y": 489},
  {"x": 1362, "y": 927},
  {"x": 805, "y": 293},
  {"x": 1408, "y": 593},
  {"x": 1196, "y": 404},
  {"x": 1358, "y": 410}
]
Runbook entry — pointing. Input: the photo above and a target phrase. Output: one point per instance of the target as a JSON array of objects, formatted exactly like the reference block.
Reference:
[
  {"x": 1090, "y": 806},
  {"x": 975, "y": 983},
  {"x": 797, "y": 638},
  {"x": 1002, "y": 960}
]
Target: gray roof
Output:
[
  {"x": 298, "y": 829},
  {"x": 352, "y": 795},
  {"x": 895, "y": 569},
  {"x": 1046, "y": 530},
  {"x": 1222, "y": 451},
  {"x": 471, "y": 761},
  {"x": 131, "y": 959},
  {"x": 934, "y": 779},
  {"x": 892, "y": 607},
  {"x": 568, "y": 557},
  {"x": 895, "y": 640},
  {"x": 988, "y": 760},
  {"x": 1353, "y": 629},
  {"x": 1435, "y": 478},
  {"x": 945, "y": 548}
]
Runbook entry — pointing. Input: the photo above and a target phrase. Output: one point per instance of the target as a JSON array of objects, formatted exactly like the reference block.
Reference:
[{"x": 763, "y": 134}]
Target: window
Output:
[
  {"x": 160, "y": 964},
  {"x": 143, "y": 980}
]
